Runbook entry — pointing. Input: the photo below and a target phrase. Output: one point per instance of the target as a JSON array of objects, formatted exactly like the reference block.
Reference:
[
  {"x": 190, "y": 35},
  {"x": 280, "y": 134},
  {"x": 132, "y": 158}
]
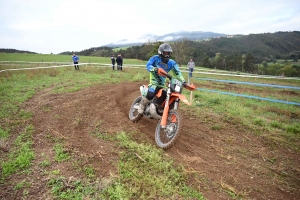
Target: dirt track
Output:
[{"x": 229, "y": 160}]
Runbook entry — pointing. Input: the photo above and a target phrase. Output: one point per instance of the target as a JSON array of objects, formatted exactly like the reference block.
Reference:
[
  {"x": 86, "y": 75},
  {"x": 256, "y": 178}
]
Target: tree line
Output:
[
  {"x": 8, "y": 50},
  {"x": 254, "y": 53}
]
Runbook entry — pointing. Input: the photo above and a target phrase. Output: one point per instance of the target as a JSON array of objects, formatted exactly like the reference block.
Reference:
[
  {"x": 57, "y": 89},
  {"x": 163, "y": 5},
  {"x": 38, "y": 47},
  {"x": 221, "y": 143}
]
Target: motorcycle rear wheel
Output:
[
  {"x": 165, "y": 138},
  {"x": 134, "y": 115}
]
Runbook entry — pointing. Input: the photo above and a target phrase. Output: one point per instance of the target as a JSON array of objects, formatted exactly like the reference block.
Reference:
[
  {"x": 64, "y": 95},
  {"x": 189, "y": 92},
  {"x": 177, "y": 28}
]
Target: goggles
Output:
[{"x": 166, "y": 54}]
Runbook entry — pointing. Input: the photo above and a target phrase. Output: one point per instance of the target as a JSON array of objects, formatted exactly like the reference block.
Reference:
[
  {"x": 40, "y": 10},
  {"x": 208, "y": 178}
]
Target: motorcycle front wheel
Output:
[
  {"x": 165, "y": 138},
  {"x": 134, "y": 115}
]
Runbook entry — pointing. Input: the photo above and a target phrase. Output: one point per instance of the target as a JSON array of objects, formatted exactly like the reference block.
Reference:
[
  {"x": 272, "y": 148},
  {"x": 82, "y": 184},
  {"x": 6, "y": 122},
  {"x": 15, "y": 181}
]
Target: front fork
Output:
[{"x": 163, "y": 122}]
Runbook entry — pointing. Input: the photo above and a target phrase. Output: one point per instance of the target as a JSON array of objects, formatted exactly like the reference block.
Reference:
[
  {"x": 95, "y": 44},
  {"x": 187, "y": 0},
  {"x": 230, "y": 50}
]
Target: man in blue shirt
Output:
[
  {"x": 160, "y": 61},
  {"x": 75, "y": 59}
]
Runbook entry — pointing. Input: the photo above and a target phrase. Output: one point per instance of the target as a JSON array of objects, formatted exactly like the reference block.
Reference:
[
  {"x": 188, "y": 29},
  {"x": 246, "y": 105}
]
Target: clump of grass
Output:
[
  {"x": 21, "y": 155},
  {"x": 46, "y": 162},
  {"x": 276, "y": 124},
  {"x": 75, "y": 189},
  {"x": 3, "y": 133},
  {"x": 89, "y": 172},
  {"x": 215, "y": 127},
  {"x": 60, "y": 153},
  {"x": 213, "y": 102},
  {"x": 98, "y": 133},
  {"x": 293, "y": 129},
  {"x": 258, "y": 121},
  {"x": 22, "y": 184},
  {"x": 139, "y": 76}
]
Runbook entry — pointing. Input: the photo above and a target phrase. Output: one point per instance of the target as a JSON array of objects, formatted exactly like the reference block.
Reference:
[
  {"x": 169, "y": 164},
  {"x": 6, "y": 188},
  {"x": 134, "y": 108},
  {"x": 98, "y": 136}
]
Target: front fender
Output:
[{"x": 181, "y": 97}]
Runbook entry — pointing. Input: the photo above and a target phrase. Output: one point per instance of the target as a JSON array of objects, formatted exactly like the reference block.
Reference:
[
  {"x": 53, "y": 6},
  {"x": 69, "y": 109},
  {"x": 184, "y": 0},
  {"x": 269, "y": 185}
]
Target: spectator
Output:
[
  {"x": 119, "y": 61},
  {"x": 191, "y": 66},
  {"x": 75, "y": 59},
  {"x": 113, "y": 61}
]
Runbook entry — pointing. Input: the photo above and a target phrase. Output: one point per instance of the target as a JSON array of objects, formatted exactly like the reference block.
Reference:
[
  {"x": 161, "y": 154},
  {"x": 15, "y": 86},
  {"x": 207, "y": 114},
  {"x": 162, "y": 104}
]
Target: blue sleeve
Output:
[
  {"x": 151, "y": 63},
  {"x": 176, "y": 71}
]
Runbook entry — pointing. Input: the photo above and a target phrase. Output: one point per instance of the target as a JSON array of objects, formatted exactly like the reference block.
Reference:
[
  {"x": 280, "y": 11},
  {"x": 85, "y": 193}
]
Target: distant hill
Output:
[
  {"x": 3, "y": 50},
  {"x": 170, "y": 37},
  {"x": 264, "y": 44}
]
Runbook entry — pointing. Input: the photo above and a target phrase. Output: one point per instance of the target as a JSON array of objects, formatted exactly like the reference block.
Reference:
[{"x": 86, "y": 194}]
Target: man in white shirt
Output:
[{"x": 191, "y": 66}]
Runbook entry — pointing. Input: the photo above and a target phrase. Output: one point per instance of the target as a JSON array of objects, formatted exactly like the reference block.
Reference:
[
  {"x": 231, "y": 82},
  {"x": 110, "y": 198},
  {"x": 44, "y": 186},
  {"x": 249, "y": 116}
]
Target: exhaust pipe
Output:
[{"x": 153, "y": 112}]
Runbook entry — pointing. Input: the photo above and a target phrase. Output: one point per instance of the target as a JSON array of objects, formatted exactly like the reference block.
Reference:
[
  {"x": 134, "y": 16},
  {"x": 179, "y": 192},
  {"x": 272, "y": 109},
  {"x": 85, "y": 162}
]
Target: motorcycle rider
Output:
[{"x": 161, "y": 61}]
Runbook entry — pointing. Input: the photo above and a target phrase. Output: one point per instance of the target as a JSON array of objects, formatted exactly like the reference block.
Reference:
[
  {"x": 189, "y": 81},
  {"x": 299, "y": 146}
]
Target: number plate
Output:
[{"x": 177, "y": 88}]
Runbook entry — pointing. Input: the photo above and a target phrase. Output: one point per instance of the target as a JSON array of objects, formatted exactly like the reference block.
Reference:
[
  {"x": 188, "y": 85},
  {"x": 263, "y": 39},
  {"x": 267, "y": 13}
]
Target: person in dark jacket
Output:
[
  {"x": 113, "y": 61},
  {"x": 119, "y": 61}
]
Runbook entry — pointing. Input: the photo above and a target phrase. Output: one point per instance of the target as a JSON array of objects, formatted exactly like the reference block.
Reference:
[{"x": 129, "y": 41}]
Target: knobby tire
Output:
[{"x": 164, "y": 138}]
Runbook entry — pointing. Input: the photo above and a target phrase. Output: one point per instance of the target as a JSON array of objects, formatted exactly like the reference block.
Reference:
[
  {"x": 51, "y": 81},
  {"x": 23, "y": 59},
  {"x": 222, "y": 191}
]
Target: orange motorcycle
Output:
[{"x": 163, "y": 107}]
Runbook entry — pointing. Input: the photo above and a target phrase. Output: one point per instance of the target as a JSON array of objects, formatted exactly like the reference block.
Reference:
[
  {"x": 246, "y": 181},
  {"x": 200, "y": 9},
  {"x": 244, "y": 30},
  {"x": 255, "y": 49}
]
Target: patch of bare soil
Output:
[{"x": 222, "y": 164}]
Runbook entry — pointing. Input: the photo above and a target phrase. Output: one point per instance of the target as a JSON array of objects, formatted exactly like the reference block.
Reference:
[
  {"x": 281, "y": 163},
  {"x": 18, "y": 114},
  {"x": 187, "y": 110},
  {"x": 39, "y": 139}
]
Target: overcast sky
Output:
[{"x": 46, "y": 26}]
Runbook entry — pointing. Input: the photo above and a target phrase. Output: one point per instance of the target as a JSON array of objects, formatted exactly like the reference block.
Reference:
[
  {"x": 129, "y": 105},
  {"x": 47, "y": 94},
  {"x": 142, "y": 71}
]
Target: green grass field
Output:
[
  {"x": 61, "y": 58},
  {"x": 275, "y": 121}
]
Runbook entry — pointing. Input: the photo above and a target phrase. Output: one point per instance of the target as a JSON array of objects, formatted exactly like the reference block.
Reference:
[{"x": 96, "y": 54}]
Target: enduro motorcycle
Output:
[{"x": 163, "y": 107}]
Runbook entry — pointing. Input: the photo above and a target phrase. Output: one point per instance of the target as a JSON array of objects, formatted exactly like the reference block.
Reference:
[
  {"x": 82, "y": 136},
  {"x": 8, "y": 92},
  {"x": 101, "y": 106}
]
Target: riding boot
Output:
[{"x": 143, "y": 103}]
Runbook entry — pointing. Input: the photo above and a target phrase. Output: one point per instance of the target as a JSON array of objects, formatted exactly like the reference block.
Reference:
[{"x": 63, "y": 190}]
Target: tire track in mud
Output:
[
  {"x": 218, "y": 162},
  {"x": 229, "y": 159},
  {"x": 189, "y": 150}
]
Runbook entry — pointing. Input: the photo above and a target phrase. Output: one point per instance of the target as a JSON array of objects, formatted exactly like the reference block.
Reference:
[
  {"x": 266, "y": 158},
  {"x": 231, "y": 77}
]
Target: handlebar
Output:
[{"x": 162, "y": 72}]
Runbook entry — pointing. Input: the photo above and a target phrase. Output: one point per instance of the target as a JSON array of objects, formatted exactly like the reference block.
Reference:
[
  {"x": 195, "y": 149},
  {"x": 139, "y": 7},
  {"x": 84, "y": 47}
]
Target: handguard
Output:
[
  {"x": 190, "y": 87},
  {"x": 162, "y": 72}
]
